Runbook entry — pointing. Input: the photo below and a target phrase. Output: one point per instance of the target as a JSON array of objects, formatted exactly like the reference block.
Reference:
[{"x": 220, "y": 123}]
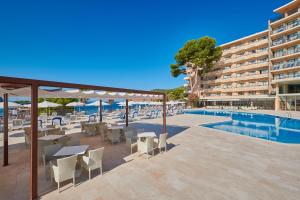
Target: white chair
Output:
[
  {"x": 90, "y": 129},
  {"x": 161, "y": 142},
  {"x": 114, "y": 136},
  {"x": 145, "y": 146},
  {"x": 131, "y": 139},
  {"x": 93, "y": 161},
  {"x": 17, "y": 124},
  {"x": 64, "y": 170},
  {"x": 48, "y": 152}
]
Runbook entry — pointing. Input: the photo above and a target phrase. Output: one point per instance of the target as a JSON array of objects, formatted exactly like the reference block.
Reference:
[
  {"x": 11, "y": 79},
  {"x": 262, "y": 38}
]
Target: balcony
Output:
[
  {"x": 241, "y": 78},
  {"x": 250, "y": 56},
  {"x": 286, "y": 42},
  {"x": 246, "y": 67},
  {"x": 286, "y": 66},
  {"x": 245, "y": 47},
  {"x": 291, "y": 77},
  {"x": 284, "y": 19},
  {"x": 285, "y": 55}
]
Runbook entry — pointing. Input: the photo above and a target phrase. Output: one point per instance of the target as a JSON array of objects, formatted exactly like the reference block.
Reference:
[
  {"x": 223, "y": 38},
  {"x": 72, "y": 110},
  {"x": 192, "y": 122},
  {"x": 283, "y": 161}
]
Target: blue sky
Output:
[{"x": 120, "y": 43}]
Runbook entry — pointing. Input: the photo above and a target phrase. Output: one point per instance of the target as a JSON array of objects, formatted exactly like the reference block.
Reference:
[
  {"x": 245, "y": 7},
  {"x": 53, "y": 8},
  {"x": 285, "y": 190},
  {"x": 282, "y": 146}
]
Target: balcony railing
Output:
[
  {"x": 285, "y": 53},
  {"x": 282, "y": 41},
  {"x": 286, "y": 65},
  {"x": 286, "y": 26},
  {"x": 287, "y": 76}
]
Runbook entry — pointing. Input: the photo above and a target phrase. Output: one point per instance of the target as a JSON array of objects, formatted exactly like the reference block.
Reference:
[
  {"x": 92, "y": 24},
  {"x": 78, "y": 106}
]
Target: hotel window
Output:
[
  {"x": 297, "y": 61},
  {"x": 238, "y": 75},
  {"x": 264, "y": 37},
  {"x": 293, "y": 23},
  {"x": 291, "y": 63},
  {"x": 239, "y": 55},
  {"x": 252, "y": 62},
  {"x": 266, "y": 59},
  {"x": 278, "y": 41},
  {"x": 262, "y": 83},
  {"x": 291, "y": 50},
  {"x": 238, "y": 85},
  {"x": 226, "y": 76},
  {"x": 293, "y": 36},
  {"x": 279, "y": 29},
  {"x": 251, "y": 84},
  {"x": 240, "y": 93},
  {"x": 263, "y": 71},
  {"x": 227, "y": 67},
  {"x": 251, "y": 73},
  {"x": 279, "y": 65},
  {"x": 252, "y": 93},
  {"x": 262, "y": 49},
  {"x": 278, "y": 53}
]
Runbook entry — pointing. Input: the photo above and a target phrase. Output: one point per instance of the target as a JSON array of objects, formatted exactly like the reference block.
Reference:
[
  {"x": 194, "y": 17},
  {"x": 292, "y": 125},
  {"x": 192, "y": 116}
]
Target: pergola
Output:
[{"x": 11, "y": 86}]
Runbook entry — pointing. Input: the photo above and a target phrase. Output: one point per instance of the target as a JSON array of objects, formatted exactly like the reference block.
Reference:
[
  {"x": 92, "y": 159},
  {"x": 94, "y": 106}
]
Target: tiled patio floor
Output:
[{"x": 201, "y": 163}]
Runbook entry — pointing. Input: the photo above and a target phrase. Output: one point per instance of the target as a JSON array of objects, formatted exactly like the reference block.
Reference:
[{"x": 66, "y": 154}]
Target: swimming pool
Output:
[{"x": 268, "y": 127}]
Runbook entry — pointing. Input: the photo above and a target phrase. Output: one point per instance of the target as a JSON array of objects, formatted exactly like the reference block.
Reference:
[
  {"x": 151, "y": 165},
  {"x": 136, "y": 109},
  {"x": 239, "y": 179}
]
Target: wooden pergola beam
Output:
[
  {"x": 23, "y": 81},
  {"x": 5, "y": 130},
  {"x": 34, "y": 143}
]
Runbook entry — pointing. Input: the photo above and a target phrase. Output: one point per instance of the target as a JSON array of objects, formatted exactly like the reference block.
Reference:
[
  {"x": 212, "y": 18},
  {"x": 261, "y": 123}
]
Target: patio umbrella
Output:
[
  {"x": 97, "y": 103},
  {"x": 123, "y": 103},
  {"x": 75, "y": 104},
  {"x": 10, "y": 104},
  {"x": 45, "y": 104}
]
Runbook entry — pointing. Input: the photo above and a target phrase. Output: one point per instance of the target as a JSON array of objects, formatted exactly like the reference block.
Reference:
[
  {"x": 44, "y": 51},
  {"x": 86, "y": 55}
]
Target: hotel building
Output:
[{"x": 260, "y": 70}]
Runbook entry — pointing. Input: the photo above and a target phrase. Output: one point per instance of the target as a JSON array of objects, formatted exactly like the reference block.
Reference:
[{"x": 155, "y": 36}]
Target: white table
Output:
[
  {"x": 72, "y": 150},
  {"x": 51, "y": 137},
  {"x": 146, "y": 134}
]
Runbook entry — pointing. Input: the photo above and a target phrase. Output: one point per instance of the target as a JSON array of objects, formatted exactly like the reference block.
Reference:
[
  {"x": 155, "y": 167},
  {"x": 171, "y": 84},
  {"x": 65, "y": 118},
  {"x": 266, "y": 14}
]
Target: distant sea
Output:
[{"x": 88, "y": 109}]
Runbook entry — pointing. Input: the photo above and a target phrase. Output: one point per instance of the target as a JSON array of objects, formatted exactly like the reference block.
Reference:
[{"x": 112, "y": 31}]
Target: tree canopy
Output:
[
  {"x": 174, "y": 94},
  {"x": 201, "y": 52}
]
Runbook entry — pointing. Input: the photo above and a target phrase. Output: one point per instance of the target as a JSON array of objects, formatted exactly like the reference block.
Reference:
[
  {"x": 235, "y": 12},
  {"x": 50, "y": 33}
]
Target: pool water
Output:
[{"x": 268, "y": 127}]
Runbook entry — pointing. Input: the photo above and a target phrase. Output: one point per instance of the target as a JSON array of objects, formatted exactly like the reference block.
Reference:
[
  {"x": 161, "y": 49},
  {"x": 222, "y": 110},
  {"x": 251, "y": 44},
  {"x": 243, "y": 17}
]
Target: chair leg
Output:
[
  {"x": 58, "y": 187},
  {"x": 90, "y": 174},
  {"x": 74, "y": 180}
]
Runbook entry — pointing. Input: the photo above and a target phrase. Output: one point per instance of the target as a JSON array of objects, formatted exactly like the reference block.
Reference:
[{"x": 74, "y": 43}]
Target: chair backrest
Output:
[
  {"x": 27, "y": 132},
  {"x": 92, "y": 118},
  {"x": 40, "y": 123},
  {"x": 96, "y": 156},
  {"x": 149, "y": 143},
  {"x": 66, "y": 167},
  {"x": 82, "y": 124},
  {"x": 115, "y": 133},
  {"x": 50, "y": 150},
  {"x": 17, "y": 122},
  {"x": 68, "y": 115},
  {"x": 54, "y": 114},
  {"x": 73, "y": 117},
  {"x": 163, "y": 139},
  {"x": 57, "y": 121}
]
